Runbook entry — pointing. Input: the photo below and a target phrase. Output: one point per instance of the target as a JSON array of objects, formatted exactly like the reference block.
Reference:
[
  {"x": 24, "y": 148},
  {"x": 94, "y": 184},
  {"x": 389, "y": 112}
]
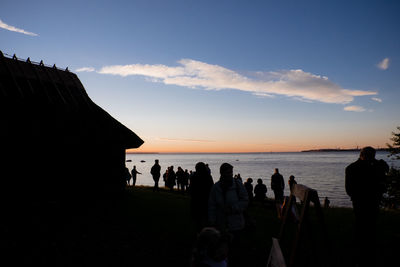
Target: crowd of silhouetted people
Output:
[
  {"x": 219, "y": 210},
  {"x": 181, "y": 181}
]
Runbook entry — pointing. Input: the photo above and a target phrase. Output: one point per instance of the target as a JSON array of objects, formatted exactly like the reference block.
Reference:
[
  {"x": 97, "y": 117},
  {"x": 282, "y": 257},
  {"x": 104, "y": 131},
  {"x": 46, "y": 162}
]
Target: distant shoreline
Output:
[{"x": 339, "y": 150}]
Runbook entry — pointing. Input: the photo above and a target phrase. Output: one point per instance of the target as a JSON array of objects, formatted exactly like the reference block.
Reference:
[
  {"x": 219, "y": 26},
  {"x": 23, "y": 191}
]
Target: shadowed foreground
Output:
[{"x": 143, "y": 228}]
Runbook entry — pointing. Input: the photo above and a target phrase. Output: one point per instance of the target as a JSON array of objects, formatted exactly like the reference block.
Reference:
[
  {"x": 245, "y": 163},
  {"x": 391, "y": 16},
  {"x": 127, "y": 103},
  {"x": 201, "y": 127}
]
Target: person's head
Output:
[
  {"x": 134, "y": 166},
  {"x": 249, "y": 180},
  {"x": 213, "y": 244},
  {"x": 276, "y": 170},
  {"x": 291, "y": 177},
  {"x": 201, "y": 167},
  {"x": 367, "y": 153},
  {"x": 226, "y": 170},
  {"x": 259, "y": 181}
]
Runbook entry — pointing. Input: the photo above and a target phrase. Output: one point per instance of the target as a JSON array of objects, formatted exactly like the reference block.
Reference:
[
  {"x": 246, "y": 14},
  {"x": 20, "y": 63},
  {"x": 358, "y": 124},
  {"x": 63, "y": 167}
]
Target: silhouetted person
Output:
[
  {"x": 200, "y": 187},
  {"x": 165, "y": 177},
  {"x": 260, "y": 191},
  {"x": 208, "y": 168},
  {"x": 185, "y": 182},
  {"x": 127, "y": 176},
  {"x": 239, "y": 178},
  {"x": 249, "y": 188},
  {"x": 171, "y": 178},
  {"x": 227, "y": 203},
  {"x": 291, "y": 182},
  {"x": 134, "y": 173},
  {"x": 277, "y": 185},
  {"x": 211, "y": 249},
  {"x": 156, "y": 173},
  {"x": 179, "y": 179},
  {"x": 326, "y": 203},
  {"x": 365, "y": 185}
]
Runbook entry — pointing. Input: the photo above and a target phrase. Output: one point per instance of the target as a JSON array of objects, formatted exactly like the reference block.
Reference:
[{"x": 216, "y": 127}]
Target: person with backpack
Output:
[{"x": 227, "y": 204}]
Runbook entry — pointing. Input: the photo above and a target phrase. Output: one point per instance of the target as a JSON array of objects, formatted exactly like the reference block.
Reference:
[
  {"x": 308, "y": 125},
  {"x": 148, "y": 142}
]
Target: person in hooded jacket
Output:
[{"x": 226, "y": 206}]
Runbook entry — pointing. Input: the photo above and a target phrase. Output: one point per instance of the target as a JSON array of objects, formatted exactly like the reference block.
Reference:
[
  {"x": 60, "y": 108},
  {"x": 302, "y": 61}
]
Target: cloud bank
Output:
[
  {"x": 384, "y": 64},
  {"x": 296, "y": 84},
  {"x": 85, "y": 69},
  {"x": 14, "y": 29}
]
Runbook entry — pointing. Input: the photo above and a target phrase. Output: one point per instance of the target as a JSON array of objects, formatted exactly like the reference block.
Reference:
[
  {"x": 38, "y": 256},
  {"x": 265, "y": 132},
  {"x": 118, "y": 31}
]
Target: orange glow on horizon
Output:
[{"x": 229, "y": 147}]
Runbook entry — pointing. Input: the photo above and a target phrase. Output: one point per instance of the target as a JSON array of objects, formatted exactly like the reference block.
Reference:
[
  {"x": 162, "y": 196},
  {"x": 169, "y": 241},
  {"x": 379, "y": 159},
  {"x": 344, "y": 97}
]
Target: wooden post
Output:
[{"x": 306, "y": 195}]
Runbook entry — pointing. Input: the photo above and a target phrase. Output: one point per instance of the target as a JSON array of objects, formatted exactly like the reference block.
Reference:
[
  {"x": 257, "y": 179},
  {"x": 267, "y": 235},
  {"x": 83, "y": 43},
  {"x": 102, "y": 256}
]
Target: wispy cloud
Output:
[
  {"x": 354, "y": 108},
  {"x": 14, "y": 29},
  {"x": 384, "y": 64},
  {"x": 377, "y": 99},
  {"x": 195, "y": 74},
  {"x": 185, "y": 140},
  {"x": 85, "y": 69}
]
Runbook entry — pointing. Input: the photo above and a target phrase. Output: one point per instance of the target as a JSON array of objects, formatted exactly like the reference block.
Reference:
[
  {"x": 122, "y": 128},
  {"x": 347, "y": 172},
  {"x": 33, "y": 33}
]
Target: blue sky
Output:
[{"x": 225, "y": 76}]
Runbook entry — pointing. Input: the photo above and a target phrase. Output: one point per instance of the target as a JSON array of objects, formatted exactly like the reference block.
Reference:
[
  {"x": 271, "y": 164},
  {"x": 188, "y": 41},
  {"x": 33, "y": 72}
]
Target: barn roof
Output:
[{"x": 47, "y": 103}]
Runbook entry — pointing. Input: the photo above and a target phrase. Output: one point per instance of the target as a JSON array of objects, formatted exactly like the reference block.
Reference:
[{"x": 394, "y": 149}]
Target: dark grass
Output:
[
  {"x": 145, "y": 228},
  {"x": 157, "y": 230}
]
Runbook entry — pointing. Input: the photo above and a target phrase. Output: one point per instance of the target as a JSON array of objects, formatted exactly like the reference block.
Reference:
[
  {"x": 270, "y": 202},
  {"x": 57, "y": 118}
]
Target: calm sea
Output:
[{"x": 323, "y": 171}]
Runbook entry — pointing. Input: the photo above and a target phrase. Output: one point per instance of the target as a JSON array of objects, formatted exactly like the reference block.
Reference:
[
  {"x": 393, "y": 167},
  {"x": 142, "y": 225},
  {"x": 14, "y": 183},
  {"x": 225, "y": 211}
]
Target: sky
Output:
[{"x": 225, "y": 76}]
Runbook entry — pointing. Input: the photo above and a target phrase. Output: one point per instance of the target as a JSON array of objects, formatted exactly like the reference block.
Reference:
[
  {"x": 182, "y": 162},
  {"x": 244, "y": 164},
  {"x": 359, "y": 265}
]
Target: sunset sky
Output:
[{"x": 225, "y": 76}]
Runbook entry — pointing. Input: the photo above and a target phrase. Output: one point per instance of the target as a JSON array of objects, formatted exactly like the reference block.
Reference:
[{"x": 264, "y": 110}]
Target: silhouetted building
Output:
[{"x": 56, "y": 143}]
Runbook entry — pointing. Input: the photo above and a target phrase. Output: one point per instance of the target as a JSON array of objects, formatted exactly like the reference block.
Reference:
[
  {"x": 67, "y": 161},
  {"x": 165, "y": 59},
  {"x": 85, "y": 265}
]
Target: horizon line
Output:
[{"x": 261, "y": 152}]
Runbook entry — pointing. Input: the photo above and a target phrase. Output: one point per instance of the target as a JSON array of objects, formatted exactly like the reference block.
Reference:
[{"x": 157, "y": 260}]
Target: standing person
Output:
[
  {"x": 277, "y": 185},
  {"x": 171, "y": 178},
  {"x": 156, "y": 173},
  {"x": 364, "y": 183},
  {"x": 260, "y": 191},
  {"x": 127, "y": 176},
  {"x": 249, "y": 188},
  {"x": 165, "y": 177},
  {"x": 291, "y": 182},
  {"x": 200, "y": 187},
  {"x": 185, "y": 183},
  {"x": 134, "y": 173},
  {"x": 239, "y": 177},
  {"x": 208, "y": 169},
  {"x": 179, "y": 179},
  {"x": 227, "y": 203}
]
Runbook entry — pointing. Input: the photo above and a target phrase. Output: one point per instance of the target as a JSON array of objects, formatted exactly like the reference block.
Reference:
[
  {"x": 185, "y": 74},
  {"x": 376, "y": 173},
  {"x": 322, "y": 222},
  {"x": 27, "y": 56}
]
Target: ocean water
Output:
[{"x": 322, "y": 171}]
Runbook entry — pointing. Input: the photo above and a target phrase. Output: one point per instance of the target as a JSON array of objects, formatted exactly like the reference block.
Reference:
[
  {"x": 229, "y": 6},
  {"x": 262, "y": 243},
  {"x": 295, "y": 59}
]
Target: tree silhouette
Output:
[
  {"x": 394, "y": 148},
  {"x": 391, "y": 198}
]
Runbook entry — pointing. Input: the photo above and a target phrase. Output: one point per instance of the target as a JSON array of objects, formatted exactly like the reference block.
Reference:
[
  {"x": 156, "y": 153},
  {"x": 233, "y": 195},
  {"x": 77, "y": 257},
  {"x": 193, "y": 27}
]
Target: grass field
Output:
[
  {"x": 155, "y": 228},
  {"x": 145, "y": 228}
]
